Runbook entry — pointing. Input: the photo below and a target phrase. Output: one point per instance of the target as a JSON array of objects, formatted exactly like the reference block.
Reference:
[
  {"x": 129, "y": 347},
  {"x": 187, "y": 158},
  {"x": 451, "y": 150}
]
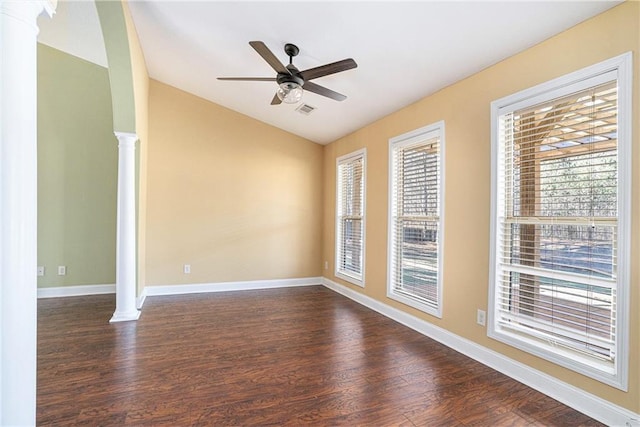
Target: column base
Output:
[{"x": 125, "y": 317}]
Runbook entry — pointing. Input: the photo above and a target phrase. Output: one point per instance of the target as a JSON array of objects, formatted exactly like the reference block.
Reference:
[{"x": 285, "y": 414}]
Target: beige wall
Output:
[
  {"x": 77, "y": 171},
  {"x": 231, "y": 196},
  {"x": 465, "y": 108}
]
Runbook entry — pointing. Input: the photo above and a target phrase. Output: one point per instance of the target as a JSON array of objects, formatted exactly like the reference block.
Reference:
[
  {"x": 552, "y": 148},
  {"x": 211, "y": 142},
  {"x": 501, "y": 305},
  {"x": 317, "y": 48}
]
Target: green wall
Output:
[
  {"x": 116, "y": 43},
  {"x": 77, "y": 171}
]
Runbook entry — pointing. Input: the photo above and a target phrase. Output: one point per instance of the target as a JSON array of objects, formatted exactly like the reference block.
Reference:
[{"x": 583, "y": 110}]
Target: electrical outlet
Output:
[
  {"x": 41, "y": 270},
  {"x": 187, "y": 269},
  {"x": 62, "y": 270},
  {"x": 481, "y": 318},
  {"x": 326, "y": 265}
]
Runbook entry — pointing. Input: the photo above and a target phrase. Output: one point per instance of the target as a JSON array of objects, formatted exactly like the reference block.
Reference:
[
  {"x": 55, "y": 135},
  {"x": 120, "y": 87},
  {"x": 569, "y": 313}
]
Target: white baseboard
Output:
[
  {"x": 141, "y": 298},
  {"x": 578, "y": 399},
  {"x": 75, "y": 291},
  {"x": 224, "y": 287}
]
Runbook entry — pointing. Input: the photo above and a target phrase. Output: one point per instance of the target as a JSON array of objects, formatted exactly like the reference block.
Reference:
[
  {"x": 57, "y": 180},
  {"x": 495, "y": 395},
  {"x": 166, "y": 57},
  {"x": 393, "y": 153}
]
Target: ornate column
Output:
[
  {"x": 126, "y": 230},
  {"x": 18, "y": 208}
]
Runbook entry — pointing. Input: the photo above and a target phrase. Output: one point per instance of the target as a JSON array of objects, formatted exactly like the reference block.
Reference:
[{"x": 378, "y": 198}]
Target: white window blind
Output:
[
  {"x": 350, "y": 217},
  {"x": 556, "y": 284},
  {"x": 415, "y": 219}
]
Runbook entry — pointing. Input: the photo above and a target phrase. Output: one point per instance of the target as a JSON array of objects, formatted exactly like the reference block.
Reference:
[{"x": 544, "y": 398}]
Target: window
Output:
[
  {"x": 415, "y": 218},
  {"x": 561, "y": 220},
  {"x": 350, "y": 207}
]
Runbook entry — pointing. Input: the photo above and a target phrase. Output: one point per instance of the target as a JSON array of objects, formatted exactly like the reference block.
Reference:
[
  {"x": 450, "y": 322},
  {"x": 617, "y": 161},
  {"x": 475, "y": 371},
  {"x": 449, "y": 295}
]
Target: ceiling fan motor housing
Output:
[
  {"x": 294, "y": 77},
  {"x": 289, "y": 78}
]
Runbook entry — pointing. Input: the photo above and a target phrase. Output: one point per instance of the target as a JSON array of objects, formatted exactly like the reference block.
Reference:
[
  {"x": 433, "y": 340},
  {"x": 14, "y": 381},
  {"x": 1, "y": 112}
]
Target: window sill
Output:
[
  {"x": 415, "y": 303},
  {"x": 358, "y": 281},
  {"x": 598, "y": 370}
]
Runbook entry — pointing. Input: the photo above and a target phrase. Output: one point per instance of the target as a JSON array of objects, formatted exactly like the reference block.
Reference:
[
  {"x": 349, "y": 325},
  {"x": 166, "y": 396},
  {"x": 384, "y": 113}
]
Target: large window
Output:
[
  {"x": 350, "y": 209},
  {"x": 415, "y": 218},
  {"x": 560, "y": 222}
]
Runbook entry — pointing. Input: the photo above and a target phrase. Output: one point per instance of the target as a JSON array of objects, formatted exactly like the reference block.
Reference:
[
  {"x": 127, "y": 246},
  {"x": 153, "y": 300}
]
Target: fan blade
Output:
[
  {"x": 325, "y": 70},
  {"x": 249, "y": 79},
  {"x": 276, "y": 100},
  {"x": 268, "y": 56},
  {"x": 321, "y": 90}
]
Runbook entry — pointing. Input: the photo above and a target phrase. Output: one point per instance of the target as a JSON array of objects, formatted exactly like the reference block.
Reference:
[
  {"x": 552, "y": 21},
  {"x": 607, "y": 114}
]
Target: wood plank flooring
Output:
[{"x": 294, "y": 356}]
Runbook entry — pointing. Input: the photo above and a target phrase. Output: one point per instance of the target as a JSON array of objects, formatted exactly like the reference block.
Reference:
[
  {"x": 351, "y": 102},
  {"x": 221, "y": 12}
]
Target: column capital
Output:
[
  {"x": 49, "y": 6},
  {"x": 126, "y": 139},
  {"x": 126, "y": 135},
  {"x": 27, "y": 11}
]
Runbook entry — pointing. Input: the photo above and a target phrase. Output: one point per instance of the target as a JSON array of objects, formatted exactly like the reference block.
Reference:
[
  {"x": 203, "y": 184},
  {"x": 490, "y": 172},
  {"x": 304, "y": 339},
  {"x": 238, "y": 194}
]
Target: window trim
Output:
[
  {"x": 351, "y": 278},
  {"x": 622, "y": 64},
  {"x": 423, "y": 133}
]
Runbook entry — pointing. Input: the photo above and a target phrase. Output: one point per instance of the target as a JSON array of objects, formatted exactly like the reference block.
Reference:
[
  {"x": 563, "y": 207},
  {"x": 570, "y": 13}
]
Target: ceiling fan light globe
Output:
[{"x": 290, "y": 92}]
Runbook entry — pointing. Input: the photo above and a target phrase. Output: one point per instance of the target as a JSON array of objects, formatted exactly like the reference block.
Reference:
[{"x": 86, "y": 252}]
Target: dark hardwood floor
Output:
[{"x": 295, "y": 356}]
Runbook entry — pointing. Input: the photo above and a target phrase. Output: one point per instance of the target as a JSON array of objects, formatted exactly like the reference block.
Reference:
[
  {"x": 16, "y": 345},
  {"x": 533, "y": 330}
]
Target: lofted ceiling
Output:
[{"x": 404, "y": 50}]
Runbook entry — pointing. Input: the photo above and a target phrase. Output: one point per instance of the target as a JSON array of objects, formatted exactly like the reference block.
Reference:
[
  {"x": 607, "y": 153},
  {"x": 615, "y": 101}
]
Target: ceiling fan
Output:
[{"x": 291, "y": 80}]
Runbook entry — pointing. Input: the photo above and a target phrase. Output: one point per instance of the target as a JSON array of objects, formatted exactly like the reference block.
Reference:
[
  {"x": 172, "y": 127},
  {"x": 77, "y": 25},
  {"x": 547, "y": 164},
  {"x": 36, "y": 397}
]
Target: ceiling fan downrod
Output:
[{"x": 291, "y": 50}]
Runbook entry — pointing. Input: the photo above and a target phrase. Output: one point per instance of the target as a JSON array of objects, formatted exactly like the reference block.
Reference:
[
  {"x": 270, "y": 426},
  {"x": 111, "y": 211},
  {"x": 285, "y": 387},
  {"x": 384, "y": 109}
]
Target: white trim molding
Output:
[
  {"x": 141, "y": 299},
  {"x": 76, "y": 291},
  {"x": 578, "y": 399},
  {"x": 196, "y": 288}
]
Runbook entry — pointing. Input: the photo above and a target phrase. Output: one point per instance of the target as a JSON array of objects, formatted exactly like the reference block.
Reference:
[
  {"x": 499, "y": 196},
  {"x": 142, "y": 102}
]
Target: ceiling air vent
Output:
[{"x": 305, "y": 109}]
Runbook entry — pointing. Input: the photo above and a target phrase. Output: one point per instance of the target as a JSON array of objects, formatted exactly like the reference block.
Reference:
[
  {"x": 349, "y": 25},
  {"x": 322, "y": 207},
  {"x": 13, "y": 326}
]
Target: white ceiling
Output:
[{"x": 404, "y": 50}]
